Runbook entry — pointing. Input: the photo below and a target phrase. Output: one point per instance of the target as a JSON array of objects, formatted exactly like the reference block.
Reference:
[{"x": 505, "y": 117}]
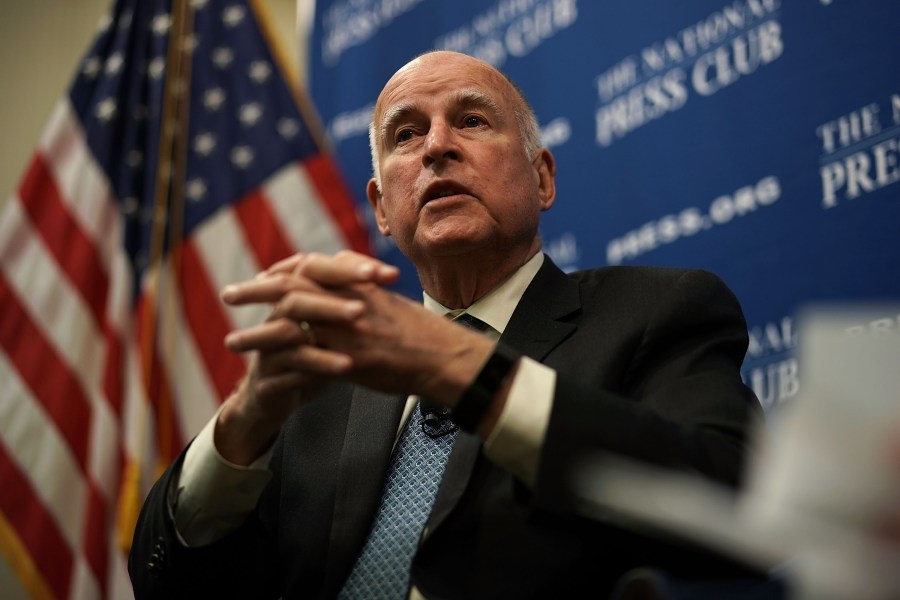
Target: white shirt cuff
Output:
[
  {"x": 214, "y": 496},
  {"x": 516, "y": 442}
]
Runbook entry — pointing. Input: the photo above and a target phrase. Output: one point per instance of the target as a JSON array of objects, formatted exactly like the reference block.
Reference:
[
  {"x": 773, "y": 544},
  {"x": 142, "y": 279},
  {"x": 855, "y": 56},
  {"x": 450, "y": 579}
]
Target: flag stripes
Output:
[
  {"x": 45, "y": 373},
  {"x": 204, "y": 317},
  {"x": 72, "y": 249},
  {"x": 35, "y": 530},
  {"x": 111, "y": 339},
  {"x": 260, "y": 228}
]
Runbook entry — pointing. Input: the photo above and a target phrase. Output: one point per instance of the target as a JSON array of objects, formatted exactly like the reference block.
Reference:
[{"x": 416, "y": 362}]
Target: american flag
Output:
[{"x": 178, "y": 162}]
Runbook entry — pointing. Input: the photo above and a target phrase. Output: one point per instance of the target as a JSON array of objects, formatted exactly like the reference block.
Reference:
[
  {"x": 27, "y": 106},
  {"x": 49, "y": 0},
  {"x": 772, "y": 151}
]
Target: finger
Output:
[
  {"x": 271, "y": 336},
  {"x": 328, "y": 307},
  {"x": 295, "y": 262},
  {"x": 268, "y": 289},
  {"x": 286, "y": 265},
  {"x": 344, "y": 268},
  {"x": 266, "y": 337},
  {"x": 311, "y": 361},
  {"x": 370, "y": 268},
  {"x": 347, "y": 268}
]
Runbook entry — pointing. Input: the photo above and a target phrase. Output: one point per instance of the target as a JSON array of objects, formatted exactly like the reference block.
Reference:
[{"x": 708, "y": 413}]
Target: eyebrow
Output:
[
  {"x": 476, "y": 99},
  {"x": 396, "y": 113},
  {"x": 462, "y": 98}
]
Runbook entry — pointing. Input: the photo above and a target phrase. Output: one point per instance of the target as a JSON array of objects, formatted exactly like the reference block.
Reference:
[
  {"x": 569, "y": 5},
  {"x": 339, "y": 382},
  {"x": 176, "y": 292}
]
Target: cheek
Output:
[
  {"x": 525, "y": 208},
  {"x": 399, "y": 212},
  {"x": 399, "y": 177}
]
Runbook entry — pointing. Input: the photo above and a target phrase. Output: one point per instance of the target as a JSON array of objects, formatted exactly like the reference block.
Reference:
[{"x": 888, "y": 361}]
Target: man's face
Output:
[{"x": 454, "y": 170}]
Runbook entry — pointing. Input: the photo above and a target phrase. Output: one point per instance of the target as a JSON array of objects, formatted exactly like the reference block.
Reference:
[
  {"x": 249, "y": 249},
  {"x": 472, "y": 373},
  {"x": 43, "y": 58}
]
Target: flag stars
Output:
[
  {"x": 160, "y": 24},
  {"x": 199, "y": 4},
  {"x": 135, "y": 159},
  {"x": 106, "y": 109},
  {"x": 242, "y": 157},
  {"x": 250, "y": 113},
  {"x": 91, "y": 67},
  {"x": 114, "y": 63},
  {"x": 204, "y": 143},
  {"x": 156, "y": 68},
  {"x": 288, "y": 128},
  {"x": 233, "y": 15},
  {"x": 104, "y": 23},
  {"x": 195, "y": 189},
  {"x": 222, "y": 57},
  {"x": 260, "y": 71},
  {"x": 214, "y": 98}
]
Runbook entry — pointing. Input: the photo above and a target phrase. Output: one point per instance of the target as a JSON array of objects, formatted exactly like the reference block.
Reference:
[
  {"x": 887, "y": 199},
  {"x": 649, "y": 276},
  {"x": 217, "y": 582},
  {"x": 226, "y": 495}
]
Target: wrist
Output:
[
  {"x": 241, "y": 433},
  {"x": 483, "y": 399}
]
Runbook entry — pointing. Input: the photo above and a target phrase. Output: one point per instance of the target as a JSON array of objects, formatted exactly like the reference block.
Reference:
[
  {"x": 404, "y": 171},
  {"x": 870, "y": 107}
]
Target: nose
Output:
[{"x": 440, "y": 143}]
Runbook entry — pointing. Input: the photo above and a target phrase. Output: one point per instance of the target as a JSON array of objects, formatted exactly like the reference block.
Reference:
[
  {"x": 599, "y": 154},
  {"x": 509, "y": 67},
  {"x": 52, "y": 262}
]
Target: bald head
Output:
[{"x": 526, "y": 121}]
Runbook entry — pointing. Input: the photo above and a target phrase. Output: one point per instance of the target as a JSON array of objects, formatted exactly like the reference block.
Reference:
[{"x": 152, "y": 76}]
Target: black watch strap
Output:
[{"x": 475, "y": 400}]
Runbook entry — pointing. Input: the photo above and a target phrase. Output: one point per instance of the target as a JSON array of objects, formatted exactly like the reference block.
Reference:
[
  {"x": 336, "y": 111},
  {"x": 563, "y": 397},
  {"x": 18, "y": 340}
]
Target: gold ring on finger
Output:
[{"x": 308, "y": 332}]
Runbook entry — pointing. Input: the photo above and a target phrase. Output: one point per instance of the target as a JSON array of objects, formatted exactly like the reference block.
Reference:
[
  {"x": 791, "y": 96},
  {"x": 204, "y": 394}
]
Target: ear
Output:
[
  {"x": 375, "y": 199},
  {"x": 545, "y": 170}
]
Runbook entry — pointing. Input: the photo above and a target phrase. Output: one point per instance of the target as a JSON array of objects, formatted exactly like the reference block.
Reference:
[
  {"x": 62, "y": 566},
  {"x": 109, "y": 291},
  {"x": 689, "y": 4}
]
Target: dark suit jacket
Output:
[{"x": 648, "y": 366}]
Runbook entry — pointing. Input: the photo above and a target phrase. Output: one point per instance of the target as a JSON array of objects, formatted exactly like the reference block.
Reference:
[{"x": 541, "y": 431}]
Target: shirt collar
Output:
[{"x": 496, "y": 307}]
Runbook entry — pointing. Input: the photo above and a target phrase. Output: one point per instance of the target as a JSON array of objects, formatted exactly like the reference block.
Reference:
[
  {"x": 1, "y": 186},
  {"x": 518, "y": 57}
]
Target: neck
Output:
[{"x": 459, "y": 282}]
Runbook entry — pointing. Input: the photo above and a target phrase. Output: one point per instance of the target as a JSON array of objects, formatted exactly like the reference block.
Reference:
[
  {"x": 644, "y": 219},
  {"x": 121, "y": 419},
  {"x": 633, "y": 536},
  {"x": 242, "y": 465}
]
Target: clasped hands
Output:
[{"x": 333, "y": 317}]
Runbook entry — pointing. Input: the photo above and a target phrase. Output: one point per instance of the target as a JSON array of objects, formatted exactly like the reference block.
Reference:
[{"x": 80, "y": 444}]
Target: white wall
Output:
[{"x": 41, "y": 43}]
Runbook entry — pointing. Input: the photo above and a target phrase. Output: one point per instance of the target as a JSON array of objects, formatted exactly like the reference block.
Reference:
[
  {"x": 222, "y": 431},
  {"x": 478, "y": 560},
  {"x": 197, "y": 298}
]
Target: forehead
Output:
[{"x": 445, "y": 78}]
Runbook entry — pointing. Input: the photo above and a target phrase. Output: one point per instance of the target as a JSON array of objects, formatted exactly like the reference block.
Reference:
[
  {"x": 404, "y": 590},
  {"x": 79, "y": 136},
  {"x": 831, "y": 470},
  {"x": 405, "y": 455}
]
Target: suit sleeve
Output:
[
  {"x": 679, "y": 400},
  {"x": 162, "y": 567}
]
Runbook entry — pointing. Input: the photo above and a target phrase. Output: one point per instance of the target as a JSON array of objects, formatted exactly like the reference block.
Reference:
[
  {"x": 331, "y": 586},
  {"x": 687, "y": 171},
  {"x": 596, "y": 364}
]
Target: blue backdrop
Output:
[{"x": 755, "y": 138}]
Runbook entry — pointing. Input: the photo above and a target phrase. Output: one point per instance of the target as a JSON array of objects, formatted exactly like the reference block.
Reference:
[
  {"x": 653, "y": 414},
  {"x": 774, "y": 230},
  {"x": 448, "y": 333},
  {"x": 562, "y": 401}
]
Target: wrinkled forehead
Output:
[{"x": 448, "y": 74}]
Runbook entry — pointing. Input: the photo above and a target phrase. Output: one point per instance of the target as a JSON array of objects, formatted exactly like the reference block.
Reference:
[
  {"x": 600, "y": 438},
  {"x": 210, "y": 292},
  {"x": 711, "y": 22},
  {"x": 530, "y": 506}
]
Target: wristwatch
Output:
[{"x": 475, "y": 400}]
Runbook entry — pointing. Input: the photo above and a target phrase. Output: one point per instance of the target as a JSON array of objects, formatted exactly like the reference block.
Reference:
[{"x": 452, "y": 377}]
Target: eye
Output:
[
  {"x": 403, "y": 135},
  {"x": 473, "y": 121}
]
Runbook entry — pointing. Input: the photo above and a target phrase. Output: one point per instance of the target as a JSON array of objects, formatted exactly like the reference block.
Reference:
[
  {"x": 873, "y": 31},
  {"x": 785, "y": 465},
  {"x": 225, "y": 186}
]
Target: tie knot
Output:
[{"x": 471, "y": 322}]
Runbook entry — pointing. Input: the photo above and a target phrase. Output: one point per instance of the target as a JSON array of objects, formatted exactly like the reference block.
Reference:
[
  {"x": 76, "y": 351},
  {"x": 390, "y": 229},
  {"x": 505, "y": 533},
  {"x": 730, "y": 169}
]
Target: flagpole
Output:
[
  {"x": 282, "y": 63},
  {"x": 169, "y": 176},
  {"x": 183, "y": 27}
]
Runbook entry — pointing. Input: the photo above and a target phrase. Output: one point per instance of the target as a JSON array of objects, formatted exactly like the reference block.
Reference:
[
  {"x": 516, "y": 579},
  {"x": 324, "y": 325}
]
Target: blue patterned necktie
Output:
[{"x": 414, "y": 475}]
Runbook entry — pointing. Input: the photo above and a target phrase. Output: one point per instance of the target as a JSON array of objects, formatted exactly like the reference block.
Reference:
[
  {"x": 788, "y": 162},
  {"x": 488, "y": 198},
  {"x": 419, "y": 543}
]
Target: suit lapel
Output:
[
  {"x": 371, "y": 429},
  {"x": 534, "y": 329},
  {"x": 537, "y": 325}
]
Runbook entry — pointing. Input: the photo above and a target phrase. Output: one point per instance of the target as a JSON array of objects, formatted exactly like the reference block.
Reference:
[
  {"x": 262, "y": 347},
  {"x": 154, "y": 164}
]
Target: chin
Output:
[{"x": 452, "y": 245}]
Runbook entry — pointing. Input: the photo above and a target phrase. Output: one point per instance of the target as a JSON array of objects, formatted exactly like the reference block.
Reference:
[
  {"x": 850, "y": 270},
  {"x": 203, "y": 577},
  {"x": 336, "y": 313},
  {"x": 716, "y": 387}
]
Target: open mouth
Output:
[{"x": 436, "y": 191}]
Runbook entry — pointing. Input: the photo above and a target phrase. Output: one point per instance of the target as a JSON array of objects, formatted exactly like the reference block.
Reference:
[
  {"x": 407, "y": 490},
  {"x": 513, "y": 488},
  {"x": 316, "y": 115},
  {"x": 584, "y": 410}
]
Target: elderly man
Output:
[{"x": 325, "y": 474}]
